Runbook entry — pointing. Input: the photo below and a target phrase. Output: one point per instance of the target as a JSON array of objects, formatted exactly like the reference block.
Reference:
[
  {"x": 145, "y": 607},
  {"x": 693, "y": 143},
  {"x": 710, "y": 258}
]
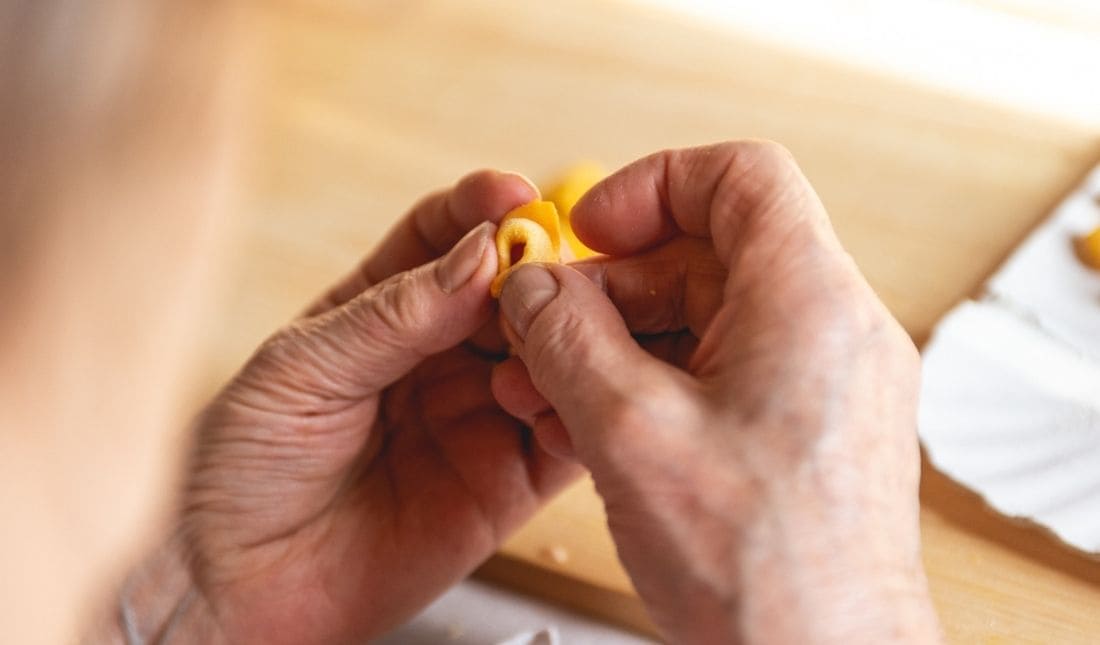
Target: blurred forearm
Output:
[{"x": 116, "y": 121}]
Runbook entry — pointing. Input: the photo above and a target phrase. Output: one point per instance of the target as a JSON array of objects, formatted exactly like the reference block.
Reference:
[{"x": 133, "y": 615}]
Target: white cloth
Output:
[
  {"x": 1011, "y": 399},
  {"x": 477, "y": 613}
]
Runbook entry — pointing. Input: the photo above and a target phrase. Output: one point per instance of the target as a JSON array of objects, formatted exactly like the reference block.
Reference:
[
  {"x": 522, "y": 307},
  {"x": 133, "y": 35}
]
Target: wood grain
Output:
[{"x": 368, "y": 107}]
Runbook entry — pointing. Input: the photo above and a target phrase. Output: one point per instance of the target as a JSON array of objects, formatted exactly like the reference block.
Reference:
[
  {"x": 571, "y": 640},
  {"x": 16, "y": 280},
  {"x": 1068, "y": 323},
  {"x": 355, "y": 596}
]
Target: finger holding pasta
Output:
[{"x": 530, "y": 233}]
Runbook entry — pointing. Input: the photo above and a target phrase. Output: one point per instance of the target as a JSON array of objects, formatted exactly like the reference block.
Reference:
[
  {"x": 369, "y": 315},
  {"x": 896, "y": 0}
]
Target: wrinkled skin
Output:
[
  {"x": 743, "y": 401},
  {"x": 340, "y": 482},
  {"x": 760, "y": 480}
]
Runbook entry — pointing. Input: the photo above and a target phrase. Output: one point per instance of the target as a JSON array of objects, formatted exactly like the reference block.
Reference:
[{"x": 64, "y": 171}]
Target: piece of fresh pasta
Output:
[
  {"x": 1088, "y": 247},
  {"x": 530, "y": 233},
  {"x": 565, "y": 194}
]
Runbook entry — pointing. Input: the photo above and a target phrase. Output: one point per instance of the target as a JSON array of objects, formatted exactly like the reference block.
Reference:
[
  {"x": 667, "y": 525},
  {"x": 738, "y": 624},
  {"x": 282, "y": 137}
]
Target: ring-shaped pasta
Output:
[{"x": 534, "y": 228}]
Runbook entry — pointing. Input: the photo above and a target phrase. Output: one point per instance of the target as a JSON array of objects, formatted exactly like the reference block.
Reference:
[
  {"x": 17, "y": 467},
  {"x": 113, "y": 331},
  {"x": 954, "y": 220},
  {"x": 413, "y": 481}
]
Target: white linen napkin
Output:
[{"x": 1011, "y": 399}]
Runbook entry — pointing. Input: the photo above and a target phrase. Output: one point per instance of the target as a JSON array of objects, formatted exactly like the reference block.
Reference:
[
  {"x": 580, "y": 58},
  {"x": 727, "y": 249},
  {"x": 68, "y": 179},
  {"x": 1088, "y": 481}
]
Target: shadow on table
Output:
[{"x": 966, "y": 509}]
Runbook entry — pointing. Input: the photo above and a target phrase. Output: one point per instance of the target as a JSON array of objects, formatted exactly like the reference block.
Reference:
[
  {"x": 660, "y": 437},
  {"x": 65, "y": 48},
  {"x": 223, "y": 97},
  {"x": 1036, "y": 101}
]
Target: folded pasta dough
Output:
[{"x": 532, "y": 232}]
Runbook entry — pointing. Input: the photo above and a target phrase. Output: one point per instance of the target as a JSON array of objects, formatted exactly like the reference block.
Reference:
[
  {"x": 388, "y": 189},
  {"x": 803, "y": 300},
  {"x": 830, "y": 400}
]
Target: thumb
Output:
[
  {"x": 580, "y": 354},
  {"x": 358, "y": 349}
]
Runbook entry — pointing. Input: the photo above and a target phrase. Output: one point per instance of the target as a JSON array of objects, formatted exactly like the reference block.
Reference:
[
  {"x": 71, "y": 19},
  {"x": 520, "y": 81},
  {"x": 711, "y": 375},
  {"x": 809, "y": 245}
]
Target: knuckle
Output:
[
  {"x": 769, "y": 152},
  {"x": 651, "y": 422},
  {"x": 287, "y": 346},
  {"x": 626, "y": 415},
  {"x": 397, "y": 310},
  {"x": 293, "y": 371},
  {"x": 843, "y": 315},
  {"x": 851, "y": 321},
  {"x": 646, "y": 406},
  {"x": 476, "y": 182},
  {"x": 897, "y": 348},
  {"x": 554, "y": 334},
  {"x": 759, "y": 187},
  {"x": 760, "y": 169},
  {"x": 757, "y": 160}
]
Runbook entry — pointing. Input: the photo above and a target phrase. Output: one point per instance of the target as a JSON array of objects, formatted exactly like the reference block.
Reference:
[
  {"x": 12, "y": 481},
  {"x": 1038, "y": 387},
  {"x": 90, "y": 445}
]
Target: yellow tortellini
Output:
[{"x": 534, "y": 232}]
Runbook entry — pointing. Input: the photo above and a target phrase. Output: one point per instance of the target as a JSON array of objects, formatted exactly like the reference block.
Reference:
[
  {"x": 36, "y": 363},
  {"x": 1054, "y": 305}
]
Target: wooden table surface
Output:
[{"x": 368, "y": 106}]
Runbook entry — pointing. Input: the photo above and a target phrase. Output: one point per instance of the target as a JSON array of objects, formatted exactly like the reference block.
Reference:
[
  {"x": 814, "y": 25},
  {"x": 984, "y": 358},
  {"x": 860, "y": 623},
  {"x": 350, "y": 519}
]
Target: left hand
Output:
[{"x": 358, "y": 465}]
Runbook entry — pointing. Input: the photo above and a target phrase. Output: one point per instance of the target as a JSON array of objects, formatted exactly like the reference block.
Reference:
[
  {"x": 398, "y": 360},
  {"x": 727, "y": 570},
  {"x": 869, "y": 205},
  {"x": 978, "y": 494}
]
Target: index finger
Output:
[
  {"x": 729, "y": 192},
  {"x": 431, "y": 228}
]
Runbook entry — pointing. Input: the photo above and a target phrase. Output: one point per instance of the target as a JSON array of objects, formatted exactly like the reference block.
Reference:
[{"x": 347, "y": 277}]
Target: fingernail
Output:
[
  {"x": 524, "y": 179},
  {"x": 460, "y": 264},
  {"x": 526, "y": 293}
]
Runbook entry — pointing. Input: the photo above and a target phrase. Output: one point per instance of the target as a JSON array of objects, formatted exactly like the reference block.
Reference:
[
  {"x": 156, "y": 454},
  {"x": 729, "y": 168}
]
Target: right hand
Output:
[{"x": 745, "y": 403}]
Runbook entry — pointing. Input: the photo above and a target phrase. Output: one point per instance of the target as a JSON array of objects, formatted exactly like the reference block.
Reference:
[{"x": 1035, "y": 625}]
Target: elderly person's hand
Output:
[
  {"x": 761, "y": 480},
  {"x": 358, "y": 465}
]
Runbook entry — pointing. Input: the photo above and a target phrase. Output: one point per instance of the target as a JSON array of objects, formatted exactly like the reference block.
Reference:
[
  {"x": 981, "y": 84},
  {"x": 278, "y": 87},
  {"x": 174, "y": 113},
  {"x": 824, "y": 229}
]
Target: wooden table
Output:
[{"x": 366, "y": 108}]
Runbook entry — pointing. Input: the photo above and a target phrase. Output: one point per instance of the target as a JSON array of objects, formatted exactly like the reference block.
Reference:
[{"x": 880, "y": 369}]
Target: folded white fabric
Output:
[
  {"x": 477, "y": 613},
  {"x": 1011, "y": 398},
  {"x": 547, "y": 636},
  {"x": 1044, "y": 280}
]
